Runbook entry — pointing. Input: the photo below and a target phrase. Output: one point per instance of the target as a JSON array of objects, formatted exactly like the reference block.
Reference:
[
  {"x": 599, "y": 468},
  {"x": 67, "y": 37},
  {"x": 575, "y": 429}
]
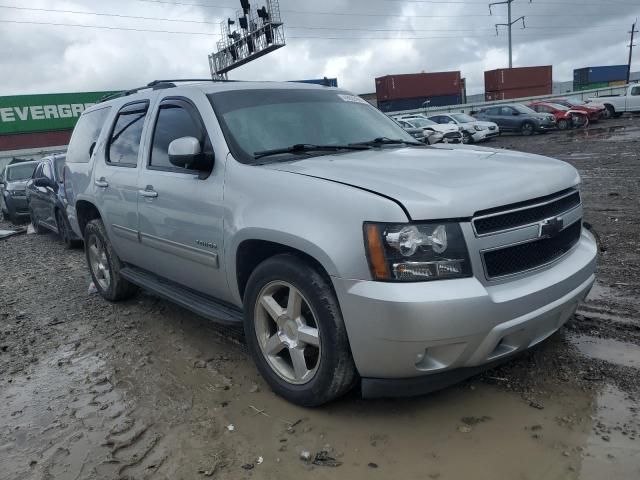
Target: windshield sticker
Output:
[{"x": 352, "y": 98}]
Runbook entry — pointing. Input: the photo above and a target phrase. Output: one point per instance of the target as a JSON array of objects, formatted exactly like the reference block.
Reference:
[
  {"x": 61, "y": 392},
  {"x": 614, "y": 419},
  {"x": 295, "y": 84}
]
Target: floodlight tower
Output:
[{"x": 250, "y": 34}]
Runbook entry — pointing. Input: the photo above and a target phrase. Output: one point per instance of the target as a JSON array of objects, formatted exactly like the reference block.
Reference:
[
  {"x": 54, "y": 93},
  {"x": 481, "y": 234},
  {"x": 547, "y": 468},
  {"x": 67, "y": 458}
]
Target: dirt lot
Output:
[{"x": 145, "y": 389}]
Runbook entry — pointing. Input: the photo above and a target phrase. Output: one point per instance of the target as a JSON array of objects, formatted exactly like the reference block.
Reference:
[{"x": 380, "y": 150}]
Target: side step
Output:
[{"x": 196, "y": 302}]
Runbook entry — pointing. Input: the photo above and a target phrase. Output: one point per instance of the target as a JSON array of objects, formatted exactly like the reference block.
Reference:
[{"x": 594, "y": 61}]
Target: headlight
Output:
[
  {"x": 416, "y": 252},
  {"x": 478, "y": 128}
]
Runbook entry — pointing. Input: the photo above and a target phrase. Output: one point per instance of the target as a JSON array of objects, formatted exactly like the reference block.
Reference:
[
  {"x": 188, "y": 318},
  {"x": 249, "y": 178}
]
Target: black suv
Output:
[{"x": 47, "y": 201}]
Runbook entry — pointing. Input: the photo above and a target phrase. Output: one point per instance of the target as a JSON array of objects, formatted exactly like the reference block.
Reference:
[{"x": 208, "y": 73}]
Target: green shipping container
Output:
[
  {"x": 44, "y": 113},
  {"x": 590, "y": 86}
]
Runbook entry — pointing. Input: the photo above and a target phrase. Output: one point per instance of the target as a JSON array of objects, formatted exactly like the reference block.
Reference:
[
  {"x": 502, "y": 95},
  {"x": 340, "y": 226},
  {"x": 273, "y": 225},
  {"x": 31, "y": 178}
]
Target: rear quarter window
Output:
[{"x": 85, "y": 134}]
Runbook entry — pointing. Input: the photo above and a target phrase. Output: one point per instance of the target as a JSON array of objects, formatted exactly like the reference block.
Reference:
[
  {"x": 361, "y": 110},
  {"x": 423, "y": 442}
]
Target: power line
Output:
[
  {"x": 324, "y": 37},
  {"x": 386, "y": 15},
  {"x": 164, "y": 19}
]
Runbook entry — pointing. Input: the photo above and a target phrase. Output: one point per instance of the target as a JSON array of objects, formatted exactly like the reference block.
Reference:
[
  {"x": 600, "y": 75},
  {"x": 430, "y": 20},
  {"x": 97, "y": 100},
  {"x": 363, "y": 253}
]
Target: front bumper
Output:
[
  {"x": 417, "y": 330},
  {"x": 18, "y": 206}
]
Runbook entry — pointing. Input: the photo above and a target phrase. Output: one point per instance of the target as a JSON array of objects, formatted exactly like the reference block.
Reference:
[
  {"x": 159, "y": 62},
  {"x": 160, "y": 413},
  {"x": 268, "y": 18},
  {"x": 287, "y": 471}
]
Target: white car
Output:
[
  {"x": 474, "y": 130},
  {"x": 450, "y": 133}
]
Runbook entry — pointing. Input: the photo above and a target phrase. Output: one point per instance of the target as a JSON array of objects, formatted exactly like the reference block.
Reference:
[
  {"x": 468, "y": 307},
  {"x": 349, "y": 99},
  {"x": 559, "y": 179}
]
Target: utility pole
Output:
[
  {"x": 509, "y": 24},
  {"x": 631, "y": 45}
]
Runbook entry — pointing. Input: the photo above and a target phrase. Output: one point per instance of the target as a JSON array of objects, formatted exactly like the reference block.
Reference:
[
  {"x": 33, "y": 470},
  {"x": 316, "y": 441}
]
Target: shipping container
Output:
[
  {"x": 517, "y": 78},
  {"x": 618, "y": 83},
  {"x": 420, "y": 102},
  {"x": 590, "y": 86},
  {"x": 609, "y": 73},
  {"x": 327, "y": 82},
  {"x": 514, "y": 93},
  {"x": 396, "y": 87}
]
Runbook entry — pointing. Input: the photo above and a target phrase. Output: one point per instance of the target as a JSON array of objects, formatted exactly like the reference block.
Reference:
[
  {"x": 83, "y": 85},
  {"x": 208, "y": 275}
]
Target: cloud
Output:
[{"x": 43, "y": 59}]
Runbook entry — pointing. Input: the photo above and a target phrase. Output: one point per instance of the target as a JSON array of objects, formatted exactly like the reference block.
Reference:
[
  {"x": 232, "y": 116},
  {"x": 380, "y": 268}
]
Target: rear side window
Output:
[
  {"x": 175, "y": 120},
  {"x": 635, "y": 91},
  {"x": 124, "y": 142},
  {"x": 59, "y": 168},
  {"x": 85, "y": 135}
]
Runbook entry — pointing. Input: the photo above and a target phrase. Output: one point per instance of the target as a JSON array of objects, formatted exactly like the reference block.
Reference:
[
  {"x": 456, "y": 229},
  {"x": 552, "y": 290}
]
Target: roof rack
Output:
[{"x": 157, "y": 85}]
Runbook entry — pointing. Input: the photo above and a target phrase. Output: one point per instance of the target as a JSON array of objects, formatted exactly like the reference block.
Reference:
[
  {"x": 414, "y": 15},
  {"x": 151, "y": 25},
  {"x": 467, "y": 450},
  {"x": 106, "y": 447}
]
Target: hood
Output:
[
  {"x": 445, "y": 128},
  {"x": 482, "y": 123},
  {"x": 17, "y": 184},
  {"x": 442, "y": 182}
]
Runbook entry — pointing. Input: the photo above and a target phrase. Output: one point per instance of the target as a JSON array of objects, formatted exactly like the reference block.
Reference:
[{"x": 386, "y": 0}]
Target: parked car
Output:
[
  {"x": 425, "y": 135},
  {"x": 565, "y": 117},
  {"x": 46, "y": 199},
  {"x": 474, "y": 130},
  {"x": 616, "y": 105},
  {"x": 516, "y": 117},
  {"x": 450, "y": 133},
  {"x": 12, "y": 188},
  {"x": 350, "y": 252},
  {"x": 596, "y": 112}
]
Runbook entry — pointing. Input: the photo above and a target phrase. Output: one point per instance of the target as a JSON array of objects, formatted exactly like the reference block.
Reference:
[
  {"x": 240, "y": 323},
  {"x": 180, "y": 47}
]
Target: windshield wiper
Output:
[
  {"x": 387, "y": 141},
  {"x": 305, "y": 147}
]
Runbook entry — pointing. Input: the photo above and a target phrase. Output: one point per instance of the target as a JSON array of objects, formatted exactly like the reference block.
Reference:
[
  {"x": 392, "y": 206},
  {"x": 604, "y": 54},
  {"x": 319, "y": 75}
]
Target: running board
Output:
[{"x": 196, "y": 302}]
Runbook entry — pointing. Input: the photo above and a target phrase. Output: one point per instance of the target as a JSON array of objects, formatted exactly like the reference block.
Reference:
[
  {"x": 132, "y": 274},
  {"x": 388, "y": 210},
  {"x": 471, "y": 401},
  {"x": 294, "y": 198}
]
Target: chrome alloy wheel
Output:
[
  {"x": 287, "y": 331},
  {"x": 99, "y": 263}
]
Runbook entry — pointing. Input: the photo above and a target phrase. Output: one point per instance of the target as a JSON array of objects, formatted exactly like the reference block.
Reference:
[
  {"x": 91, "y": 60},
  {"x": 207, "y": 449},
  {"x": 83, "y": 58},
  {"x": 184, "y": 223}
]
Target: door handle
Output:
[
  {"x": 101, "y": 182},
  {"x": 148, "y": 192}
]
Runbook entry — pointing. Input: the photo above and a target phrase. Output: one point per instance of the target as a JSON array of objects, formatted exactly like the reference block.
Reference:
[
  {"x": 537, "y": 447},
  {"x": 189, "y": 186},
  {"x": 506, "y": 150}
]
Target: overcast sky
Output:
[{"x": 354, "y": 40}]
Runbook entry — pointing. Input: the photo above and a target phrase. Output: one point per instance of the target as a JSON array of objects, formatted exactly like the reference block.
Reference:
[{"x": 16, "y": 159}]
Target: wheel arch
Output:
[
  {"x": 253, "y": 250},
  {"x": 86, "y": 211}
]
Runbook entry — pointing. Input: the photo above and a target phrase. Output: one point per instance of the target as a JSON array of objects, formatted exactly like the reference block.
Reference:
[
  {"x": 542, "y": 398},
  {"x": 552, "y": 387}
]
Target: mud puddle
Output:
[
  {"x": 609, "y": 350},
  {"x": 614, "y": 134},
  {"x": 613, "y": 451}
]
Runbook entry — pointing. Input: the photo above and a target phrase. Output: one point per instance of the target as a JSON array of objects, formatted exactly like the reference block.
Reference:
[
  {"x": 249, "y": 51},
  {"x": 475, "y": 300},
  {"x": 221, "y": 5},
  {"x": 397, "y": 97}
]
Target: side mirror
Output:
[
  {"x": 43, "y": 182},
  {"x": 515, "y": 113},
  {"x": 451, "y": 122},
  {"x": 186, "y": 152}
]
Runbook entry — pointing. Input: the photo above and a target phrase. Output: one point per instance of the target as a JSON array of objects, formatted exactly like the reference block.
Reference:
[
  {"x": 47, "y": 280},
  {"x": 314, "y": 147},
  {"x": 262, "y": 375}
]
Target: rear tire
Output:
[
  {"x": 609, "y": 112},
  {"x": 527, "y": 129},
  {"x": 105, "y": 265},
  {"x": 309, "y": 330}
]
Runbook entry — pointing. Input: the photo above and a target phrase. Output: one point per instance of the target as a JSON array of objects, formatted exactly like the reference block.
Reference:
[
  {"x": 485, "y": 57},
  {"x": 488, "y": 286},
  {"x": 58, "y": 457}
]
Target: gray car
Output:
[
  {"x": 13, "y": 190},
  {"x": 350, "y": 252},
  {"x": 517, "y": 118}
]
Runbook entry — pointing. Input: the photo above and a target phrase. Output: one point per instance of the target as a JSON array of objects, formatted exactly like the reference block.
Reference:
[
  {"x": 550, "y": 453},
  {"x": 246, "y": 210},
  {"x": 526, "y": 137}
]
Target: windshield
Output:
[
  {"x": 523, "y": 109},
  {"x": 20, "y": 172},
  {"x": 463, "y": 118},
  {"x": 575, "y": 101},
  {"x": 59, "y": 166},
  {"x": 262, "y": 120},
  {"x": 557, "y": 106},
  {"x": 422, "y": 122}
]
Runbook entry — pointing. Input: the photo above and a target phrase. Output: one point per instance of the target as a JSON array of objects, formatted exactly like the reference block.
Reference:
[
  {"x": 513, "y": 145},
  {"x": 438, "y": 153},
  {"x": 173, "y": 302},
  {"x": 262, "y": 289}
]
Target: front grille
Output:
[
  {"x": 522, "y": 214},
  {"x": 453, "y": 135},
  {"x": 527, "y": 256}
]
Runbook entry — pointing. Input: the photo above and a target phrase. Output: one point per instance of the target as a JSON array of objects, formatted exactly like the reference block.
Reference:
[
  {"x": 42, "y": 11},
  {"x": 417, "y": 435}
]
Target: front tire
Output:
[
  {"x": 563, "y": 124},
  {"x": 64, "y": 231},
  {"x": 295, "y": 332},
  {"x": 527, "y": 129},
  {"x": 105, "y": 265},
  {"x": 39, "y": 229}
]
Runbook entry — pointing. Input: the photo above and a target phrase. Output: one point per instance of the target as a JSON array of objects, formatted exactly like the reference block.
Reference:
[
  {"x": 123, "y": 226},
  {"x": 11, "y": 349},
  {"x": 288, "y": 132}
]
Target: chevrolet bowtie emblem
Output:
[{"x": 550, "y": 227}]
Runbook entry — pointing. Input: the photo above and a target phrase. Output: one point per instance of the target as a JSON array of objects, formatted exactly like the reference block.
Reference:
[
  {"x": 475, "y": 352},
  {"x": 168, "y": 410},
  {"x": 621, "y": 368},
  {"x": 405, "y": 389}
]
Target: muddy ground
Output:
[{"x": 145, "y": 389}]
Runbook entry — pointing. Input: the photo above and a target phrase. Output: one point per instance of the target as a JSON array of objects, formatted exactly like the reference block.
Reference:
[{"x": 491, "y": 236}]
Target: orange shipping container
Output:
[
  {"x": 396, "y": 87},
  {"x": 507, "y": 79}
]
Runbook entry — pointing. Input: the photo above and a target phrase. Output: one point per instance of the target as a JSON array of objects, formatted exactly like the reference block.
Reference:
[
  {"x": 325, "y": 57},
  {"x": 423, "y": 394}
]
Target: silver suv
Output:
[{"x": 351, "y": 252}]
